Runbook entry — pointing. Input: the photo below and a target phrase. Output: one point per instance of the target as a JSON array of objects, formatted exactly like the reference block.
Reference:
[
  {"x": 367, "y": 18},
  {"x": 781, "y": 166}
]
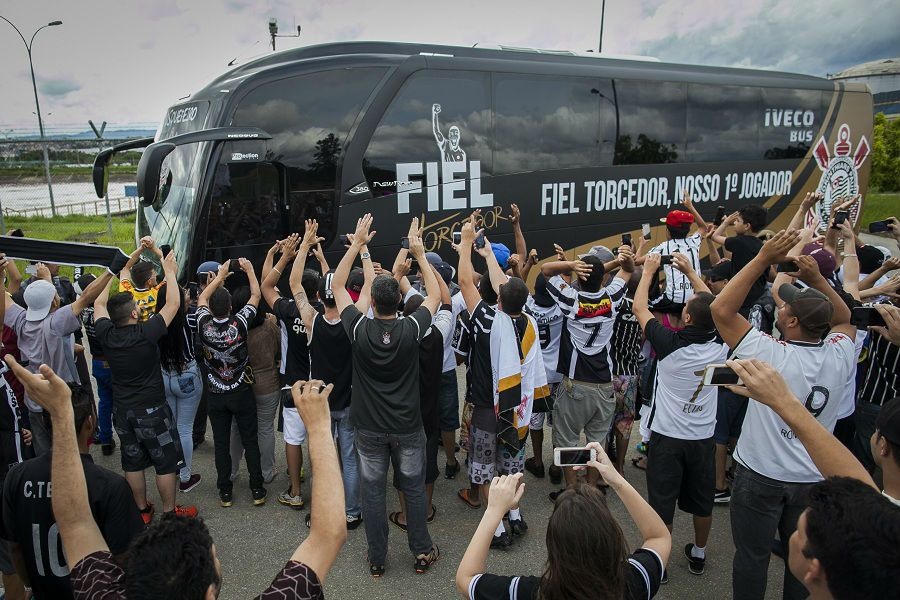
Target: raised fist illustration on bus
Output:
[{"x": 449, "y": 146}]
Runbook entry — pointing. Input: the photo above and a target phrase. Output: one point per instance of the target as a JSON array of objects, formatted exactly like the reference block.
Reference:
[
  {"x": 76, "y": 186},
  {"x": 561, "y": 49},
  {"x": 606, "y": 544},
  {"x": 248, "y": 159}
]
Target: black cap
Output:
[
  {"x": 811, "y": 307},
  {"x": 888, "y": 421},
  {"x": 722, "y": 270}
]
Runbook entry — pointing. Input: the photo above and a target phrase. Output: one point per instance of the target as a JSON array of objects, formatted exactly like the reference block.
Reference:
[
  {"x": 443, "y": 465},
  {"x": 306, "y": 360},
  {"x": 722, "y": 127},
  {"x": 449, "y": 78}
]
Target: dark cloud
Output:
[{"x": 57, "y": 86}]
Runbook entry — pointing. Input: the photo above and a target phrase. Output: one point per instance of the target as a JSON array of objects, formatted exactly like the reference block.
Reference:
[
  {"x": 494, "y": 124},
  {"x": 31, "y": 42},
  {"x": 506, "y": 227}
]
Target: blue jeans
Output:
[
  {"x": 103, "y": 378},
  {"x": 183, "y": 392},
  {"x": 407, "y": 451},
  {"x": 343, "y": 432}
]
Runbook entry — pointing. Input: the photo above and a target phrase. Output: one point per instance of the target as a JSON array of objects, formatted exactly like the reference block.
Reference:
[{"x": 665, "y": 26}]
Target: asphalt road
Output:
[{"x": 254, "y": 542}]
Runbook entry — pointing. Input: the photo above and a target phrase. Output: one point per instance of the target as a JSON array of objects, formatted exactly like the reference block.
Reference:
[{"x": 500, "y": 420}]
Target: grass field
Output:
[{"x": 877, "y": 207}]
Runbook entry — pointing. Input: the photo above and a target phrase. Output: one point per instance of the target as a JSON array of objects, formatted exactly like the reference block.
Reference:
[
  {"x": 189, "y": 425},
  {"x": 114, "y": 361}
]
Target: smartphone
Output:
[
  {"x": 20, "y": 233},
  {"x": 31, "y": 270},
  {"x": 165, "y": 249},
  {"x": 665, "y": 259},
  {"x": 345, "y": 241},
  {"x": 874, "y": 227},
  {"x": 626, "y": 239},
  {"x": 480, "y": 241},
  {"x": 720, "y": 375},
  {"x": 573, "y": 457},
  {"x": 457, "y": 237},
  {"x": 866, "y": 316},
  {"x": 788, "y": 266},
  {"x": 404, "y": 243},
  {"x": 720, "y": 216},
  {"x": 839, "y": 217},
  {"x": 234, "y": 265},
  {"x": 645, "y": 229}
]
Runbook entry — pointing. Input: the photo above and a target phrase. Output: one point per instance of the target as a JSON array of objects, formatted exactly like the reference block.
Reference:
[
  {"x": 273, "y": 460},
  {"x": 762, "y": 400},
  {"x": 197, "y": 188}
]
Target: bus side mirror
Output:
[
  {"x": 100, "y": 172},
  {"x": 150, "y": 175}
]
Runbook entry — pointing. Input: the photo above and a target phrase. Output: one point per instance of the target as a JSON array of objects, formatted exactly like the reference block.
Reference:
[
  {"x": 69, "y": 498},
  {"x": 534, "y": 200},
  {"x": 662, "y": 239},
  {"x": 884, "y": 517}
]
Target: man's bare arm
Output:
[
  {"x": 91, "y": 293},
  {"x": 213, "y": 285},
  {"x": 173, "y": 292},
  {"x": 342, "y": 273}
]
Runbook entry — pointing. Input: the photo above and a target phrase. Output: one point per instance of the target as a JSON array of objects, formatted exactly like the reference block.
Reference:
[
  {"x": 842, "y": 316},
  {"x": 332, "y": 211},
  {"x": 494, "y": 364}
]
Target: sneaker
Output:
[
  {"x": 271, "y": 477},
  {"x": 554, "y": 495},
  {"x": 532, "y": 467},
  {"x": 722, "y": 496},
  {"x": 424, "y": 561},
  {"x": 556, "y": 474},
  {"x": 695, "y": 565},
  {"x": 295, "y": 502},
  {"x": 450, "y": 471},
  {"x": 191, "y": 483},
  {"x": 259, "y": 496},
  {"x": 147, "y": 513},
  {"x": 225, "y": 498},
  {"x": 502, "y": 541},
  {"x": 641, "y": 447},
  {"x": 108, "y": 447},
  {"x": 187, "y": 510},
  {"x": 518, "y": 526},
  {"x": 665, "y": 578},
  {"x": 353, "y": 521}
]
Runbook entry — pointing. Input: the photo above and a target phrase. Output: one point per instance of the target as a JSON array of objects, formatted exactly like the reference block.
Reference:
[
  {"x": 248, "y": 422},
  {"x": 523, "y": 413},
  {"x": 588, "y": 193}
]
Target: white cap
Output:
[{"x": 39, "y": 297}]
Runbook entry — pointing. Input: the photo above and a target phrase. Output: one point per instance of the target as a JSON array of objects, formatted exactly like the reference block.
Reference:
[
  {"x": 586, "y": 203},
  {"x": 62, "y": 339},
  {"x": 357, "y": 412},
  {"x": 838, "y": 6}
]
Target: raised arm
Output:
[
  {"x": 714, "y": 256},
  {"x": 718, "y": 236},
  {"x": 810, "y": 275},
  {"x": 269, "y": 260},
  {"x": 173, "y": 292},
  {"x": 339, "y": 282},
  {"x": 135, "y": 256},
  {"x": 498, "y": 277},
  {"x": 680, "y": 262},
  {"x": 13, "y": 277},
  {"x": 71, "y": 508},
  {"x": 270, "y": 277},
  {"x": 213, "y": 285},
  {"x": 851, "y": 261},
  {"x": 365, "y": 293},
  {"x": 566, "y": 267},
  {"x": 328, "y": 525},
  {"x": 320, "y": 257},
  {"x": 886, "y": 267},
  {"x": 247, "y": 268},
  {"x": 429, "y": 277},
  {"x": 798, "y": 221},
  {"x": 4, "y": 264},
  {"x": 515, "y": 218},
  {"x": 689, "y": 206},
  {"x": 435, "y": 126},
  {"x": 466, "y": 273},
  {"x": 641, "y": 305},
  {"x": 729, "y": 323},
  {"x": 764, "y": 384}
]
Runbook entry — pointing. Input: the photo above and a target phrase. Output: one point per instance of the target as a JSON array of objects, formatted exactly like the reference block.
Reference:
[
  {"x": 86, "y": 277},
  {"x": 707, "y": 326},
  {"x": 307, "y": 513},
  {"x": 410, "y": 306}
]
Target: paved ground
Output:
[{"x": 254, "y": 542}]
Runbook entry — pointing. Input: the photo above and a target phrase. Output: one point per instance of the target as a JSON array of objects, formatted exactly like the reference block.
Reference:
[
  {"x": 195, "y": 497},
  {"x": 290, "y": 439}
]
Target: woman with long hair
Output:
[
  {"x": 587, "y": 554},
  {"x": 184, "y": 385}
]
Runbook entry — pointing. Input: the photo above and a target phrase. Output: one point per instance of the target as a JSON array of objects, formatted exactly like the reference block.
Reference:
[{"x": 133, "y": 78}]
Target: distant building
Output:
[{"x": 883, "y": 78}]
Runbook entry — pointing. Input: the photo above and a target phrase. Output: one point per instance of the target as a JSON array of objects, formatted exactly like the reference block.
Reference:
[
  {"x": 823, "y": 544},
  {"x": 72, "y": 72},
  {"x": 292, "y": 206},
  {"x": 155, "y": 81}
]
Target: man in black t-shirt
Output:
[
  {"x": 27, "y": 515},
  {"x": 385, "y": 404},
  {"x": 141, "y": 417},
  {"x": 747, "y": 222},
  {"x": 223, "y": 337}
]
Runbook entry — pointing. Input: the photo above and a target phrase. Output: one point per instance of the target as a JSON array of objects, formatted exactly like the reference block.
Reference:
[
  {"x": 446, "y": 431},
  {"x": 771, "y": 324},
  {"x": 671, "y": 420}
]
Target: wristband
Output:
[
  {"x": 365, "y": 256},
  {"x": 845, "y": 255},
  {"x": 277, "y": 270}
]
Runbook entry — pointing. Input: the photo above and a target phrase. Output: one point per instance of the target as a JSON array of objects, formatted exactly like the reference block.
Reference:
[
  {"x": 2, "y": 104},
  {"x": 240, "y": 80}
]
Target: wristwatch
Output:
[{"x": 365, "y": 256}]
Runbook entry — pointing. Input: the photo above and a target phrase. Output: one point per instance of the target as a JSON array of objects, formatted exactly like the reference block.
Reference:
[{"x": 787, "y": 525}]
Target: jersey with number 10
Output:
[{"x": 584, "y": 350}]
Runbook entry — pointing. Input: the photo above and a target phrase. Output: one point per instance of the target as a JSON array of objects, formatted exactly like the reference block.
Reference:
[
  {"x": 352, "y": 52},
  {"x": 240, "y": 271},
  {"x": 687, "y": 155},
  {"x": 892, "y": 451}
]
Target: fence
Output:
[{"x": 79, "y": 215}]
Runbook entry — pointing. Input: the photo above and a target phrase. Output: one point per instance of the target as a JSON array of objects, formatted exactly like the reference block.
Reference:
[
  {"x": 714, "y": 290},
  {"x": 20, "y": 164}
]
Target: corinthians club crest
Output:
[{"x": 840, "y": 175}]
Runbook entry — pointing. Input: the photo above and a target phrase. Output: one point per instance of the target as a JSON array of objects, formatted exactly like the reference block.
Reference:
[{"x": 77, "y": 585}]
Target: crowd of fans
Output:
[{"x": 359, "y": 365}]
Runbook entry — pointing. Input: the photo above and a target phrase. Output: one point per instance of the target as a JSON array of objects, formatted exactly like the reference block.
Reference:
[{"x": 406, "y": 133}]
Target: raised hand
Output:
[
  {"x": 246, "y": 265},
  {"x": 46, "y": 388},
  {"x": 311, "y": 400},
  {"x": 807, "y": 269},
  {"x": 515, "y": 216},
  {"x": 362, "y": 235},
  {"x": 891, "y": 316},
  {"x": 169, "y": 265},
  {"x": 776, "y": 249},
  {"x": 651, "y": 263},
  {"x": 761, "y": 382},
  {"x": 560, "y": 253},
  {"x": 506, "y": 492},
  {"x": 604, "y": 466},
  {"x": 681, "y": 262}
]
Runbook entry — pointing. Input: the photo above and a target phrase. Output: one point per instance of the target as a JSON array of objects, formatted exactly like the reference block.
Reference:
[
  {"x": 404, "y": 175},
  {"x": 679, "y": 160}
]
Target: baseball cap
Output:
[
  {"x": 445, "y": 269},
  {"x": 887, "y": 423},
  {"x": 678, "y": 218},
  {"x": 602, "y": 252},
  {"x": 82, "y": 282},
  {"x": 355, "y": 283},
  {"x": 208, "y": 266},
  {"x": 501, "y": 253},
  {"x": 825, "y": 259},
  {"x": 811, "y": 307},
  {"x": 39, "y": 297},
  {"x": 870, "y": 258},
  {"x": 720, "y": 271}
]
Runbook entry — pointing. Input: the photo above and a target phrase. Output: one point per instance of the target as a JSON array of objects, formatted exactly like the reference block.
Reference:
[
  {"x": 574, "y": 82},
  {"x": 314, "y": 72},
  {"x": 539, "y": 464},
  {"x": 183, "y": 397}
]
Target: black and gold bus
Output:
[{"x": 588, "y": 146}]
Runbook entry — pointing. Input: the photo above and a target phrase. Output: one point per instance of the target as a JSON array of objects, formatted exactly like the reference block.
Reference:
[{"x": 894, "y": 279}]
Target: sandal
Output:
[
  {"x": 394, "y": 518},
  {"x": 463, "y": 495},
  {"x": 433, "y": 514},
  {"x": 424, "y": 561},
  {"x": 640, "y": 462},
  {"x": 376, "y": 571}
]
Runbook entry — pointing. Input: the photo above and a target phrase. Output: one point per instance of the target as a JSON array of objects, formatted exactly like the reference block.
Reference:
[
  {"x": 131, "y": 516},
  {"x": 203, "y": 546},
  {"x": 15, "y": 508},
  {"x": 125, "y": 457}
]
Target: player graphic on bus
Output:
[{"x": 449, "y": 146}]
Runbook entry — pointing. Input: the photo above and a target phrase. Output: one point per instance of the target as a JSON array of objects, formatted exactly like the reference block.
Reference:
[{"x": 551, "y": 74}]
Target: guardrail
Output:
[{"x": 117, "y": 206}]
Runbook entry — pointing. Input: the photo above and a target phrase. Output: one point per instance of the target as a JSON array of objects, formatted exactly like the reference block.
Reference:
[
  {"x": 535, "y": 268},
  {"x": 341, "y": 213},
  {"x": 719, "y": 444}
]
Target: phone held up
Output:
[
  {"x": 839, "y": 217},
  {"x": 573, "y": 457},
  {"x": 645, "y": 230},
  {"x": 626, "y": 239},
  {"x": 719, "y": 375},
  {"x": 720, "y": 216},
  {"x": 479, "y": 241},
  {"x": 665, "y": 259},
  {"x": 874, "y": 227},
  {"x": 234, "y": 265},
  {"x": 788, "y": 266},
  {"x": 866, "y": 316}
]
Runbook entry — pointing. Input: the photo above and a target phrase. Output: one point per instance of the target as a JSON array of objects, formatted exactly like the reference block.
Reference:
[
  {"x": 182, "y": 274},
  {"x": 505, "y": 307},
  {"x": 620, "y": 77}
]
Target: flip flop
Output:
[
  {"x": 433, "y": 514},
  {"x": 394, "y": 518},
  {"x": 463, "y": 495},
  {"x": 639, "y": 462}
]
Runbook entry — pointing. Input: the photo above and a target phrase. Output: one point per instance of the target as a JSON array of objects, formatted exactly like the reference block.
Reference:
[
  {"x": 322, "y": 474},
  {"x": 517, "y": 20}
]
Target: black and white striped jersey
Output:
[
  {"x": 678, "y": 287},
  {"x": 626, "y": 340},
  {"x": 882, "y": 380},
  {"x": 549, "y": 324}
]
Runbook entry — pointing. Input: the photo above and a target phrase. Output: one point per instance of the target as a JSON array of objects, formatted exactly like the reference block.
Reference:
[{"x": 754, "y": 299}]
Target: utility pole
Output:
[
  {"x": 99, "y": 134},
  {"x": 37, "y": 104},
  {"x": 602, "y": 17}
]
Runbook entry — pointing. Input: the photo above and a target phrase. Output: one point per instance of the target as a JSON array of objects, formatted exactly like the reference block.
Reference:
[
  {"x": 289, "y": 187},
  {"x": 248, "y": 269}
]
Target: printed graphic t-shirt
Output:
[
  {"x": 224, "y": 343},
  {"x": 144, "y": 298}
]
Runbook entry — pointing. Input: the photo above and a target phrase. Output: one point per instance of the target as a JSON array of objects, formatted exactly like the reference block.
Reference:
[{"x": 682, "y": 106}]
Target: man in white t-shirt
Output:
[{"x": 815, "y": 356}]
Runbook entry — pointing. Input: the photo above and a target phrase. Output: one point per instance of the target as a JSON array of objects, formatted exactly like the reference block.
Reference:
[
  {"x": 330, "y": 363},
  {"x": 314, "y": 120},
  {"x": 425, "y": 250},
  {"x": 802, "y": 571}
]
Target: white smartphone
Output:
[
  {"x": 645, "y": 229},
  {"x": 720, "y": 375},
  {"x": 573, "y": 457}
]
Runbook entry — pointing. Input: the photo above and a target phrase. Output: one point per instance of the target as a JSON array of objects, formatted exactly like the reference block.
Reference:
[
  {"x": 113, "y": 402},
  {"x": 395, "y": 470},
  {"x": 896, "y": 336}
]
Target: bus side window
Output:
[
  {"x": 245, "y": 206},
  {"x": 651, "y": 122},
  {"x": 723, "y": 123}
]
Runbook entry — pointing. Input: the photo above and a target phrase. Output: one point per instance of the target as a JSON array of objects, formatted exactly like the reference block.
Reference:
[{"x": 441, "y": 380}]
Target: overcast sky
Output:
[{"x": 125, "y": 61}]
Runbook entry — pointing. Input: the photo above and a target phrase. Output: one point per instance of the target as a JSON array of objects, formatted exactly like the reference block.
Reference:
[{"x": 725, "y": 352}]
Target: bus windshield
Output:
[{"x": 168, "y": 219}]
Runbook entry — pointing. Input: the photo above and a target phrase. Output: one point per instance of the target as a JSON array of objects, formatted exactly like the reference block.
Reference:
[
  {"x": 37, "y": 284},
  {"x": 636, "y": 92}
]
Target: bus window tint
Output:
[
  {"x": 245, "y": 206},
  {"x": 651, "y": 122},
  {"x": 789, "y": 120},
  {"x": 544, "y": 123},
  {"x": 437, "y": 116},
  {"x": 309, "y": 117},
  {"x": 723, "y": 123}
]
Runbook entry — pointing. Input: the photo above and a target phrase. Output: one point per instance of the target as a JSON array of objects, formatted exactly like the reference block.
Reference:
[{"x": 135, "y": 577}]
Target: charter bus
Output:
[{"x": 588, "y": 146}]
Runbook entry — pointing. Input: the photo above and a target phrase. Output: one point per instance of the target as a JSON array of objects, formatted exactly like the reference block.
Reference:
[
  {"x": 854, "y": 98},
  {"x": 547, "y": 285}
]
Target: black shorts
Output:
[
  {"x": 149, "y": 438},
  {"x": 731, "y": 409},
  {"x": 682, "y": 471}
]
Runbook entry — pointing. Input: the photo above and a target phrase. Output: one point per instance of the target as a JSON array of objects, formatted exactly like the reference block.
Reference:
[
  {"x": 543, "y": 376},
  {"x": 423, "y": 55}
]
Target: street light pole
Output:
[
  {"x": 602, "y": 17},
  {"x": 37, "y": 104}
]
